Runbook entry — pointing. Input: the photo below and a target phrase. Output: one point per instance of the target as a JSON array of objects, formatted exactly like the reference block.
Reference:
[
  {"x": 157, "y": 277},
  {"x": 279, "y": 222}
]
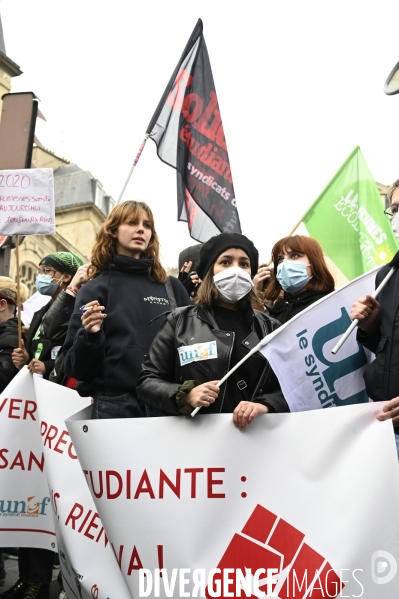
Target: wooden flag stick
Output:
[{"x": 18, "y": 293}]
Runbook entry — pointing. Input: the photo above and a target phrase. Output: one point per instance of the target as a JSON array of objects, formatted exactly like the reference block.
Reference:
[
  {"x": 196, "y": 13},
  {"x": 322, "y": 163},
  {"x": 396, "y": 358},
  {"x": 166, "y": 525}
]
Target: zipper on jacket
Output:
[{"x": 228, "y": 368}]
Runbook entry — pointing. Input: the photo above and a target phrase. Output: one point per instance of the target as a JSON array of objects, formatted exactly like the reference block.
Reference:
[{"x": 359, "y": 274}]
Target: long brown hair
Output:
[
  {"x": 104, "y": 250},
  {"x": 322, "y": 279},
  {"x": 208, "y": 296}
]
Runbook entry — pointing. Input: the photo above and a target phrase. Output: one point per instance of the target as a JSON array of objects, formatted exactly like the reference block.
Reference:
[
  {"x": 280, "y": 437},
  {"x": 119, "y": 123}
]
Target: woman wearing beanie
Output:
[
  {"x": 199, "y": 344},
  {"x": 119, "y": 311},
  {"x": 299, "y": 278},
  {"x": 60, "y": 276}
]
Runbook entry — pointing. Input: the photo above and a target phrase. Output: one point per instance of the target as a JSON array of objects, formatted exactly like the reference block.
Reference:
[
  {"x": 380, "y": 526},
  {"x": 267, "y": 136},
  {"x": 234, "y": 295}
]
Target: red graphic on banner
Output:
[{"x": 267, "y": 542}]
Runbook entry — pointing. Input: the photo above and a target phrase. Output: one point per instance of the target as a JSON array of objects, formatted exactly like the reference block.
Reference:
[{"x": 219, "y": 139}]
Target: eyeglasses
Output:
[
  {"x": 391, "y": 211},
  {"x": 45, "y": 271}
]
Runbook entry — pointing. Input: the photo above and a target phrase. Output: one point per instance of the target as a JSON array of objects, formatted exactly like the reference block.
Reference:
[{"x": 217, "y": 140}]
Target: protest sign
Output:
[
  {"x": 203, "y": 502},
  {"x": 317, "y": 378},
  {"x": 25, "y": 512},
  {"x": 27, "y": 202},
  {"x": 87, "y": 561}
]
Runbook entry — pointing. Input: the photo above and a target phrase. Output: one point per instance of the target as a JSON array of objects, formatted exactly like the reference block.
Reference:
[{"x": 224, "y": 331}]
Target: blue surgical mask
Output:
[
  {"x": 45, "y": 286},
  {"x": 292, "y": 275}
]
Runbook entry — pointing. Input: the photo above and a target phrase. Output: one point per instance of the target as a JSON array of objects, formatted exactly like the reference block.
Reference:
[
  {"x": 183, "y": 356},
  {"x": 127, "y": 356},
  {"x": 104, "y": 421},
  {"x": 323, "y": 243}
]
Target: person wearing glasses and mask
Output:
[
  {"x": 299, "y": 278},
  {"x": 378, "y": 331},
  {"x": 60, "y": 276},
  {"x": 198, "y": 345}
]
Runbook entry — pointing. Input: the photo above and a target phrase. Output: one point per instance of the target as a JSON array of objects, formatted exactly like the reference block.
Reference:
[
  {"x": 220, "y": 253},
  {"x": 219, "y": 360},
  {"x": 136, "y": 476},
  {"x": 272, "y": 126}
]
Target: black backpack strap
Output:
[{"x": 171, "y": 294}]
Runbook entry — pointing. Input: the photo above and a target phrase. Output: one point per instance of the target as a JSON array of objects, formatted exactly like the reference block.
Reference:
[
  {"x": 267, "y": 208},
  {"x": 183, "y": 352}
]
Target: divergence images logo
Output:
[
  {"x": 267, "y": 541},
  {"x": 27, "y": 509},
  {"x": 383, "y": 567}
]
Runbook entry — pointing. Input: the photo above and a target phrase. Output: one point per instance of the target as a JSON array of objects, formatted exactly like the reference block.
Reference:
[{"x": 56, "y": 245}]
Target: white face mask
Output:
[
  {"x": 395, "y": 225},
  {"x": 233, "y": 284}
]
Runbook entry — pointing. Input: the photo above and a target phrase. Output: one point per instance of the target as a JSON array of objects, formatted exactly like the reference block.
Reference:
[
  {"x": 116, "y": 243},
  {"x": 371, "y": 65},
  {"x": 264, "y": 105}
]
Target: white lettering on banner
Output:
[
  {"x": 27, "y": 202},
  {"x": 372, "y": 238},
  {"x": 195, "y": 353},
  {"x": 319, "y": 379}
]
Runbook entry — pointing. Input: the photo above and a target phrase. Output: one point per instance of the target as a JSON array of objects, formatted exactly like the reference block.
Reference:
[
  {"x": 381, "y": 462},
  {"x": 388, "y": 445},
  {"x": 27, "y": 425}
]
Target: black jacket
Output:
[
  {"x": 8, "y": 342},
  {"x": 382, "y": 375},
  {"x": 135, "y": 307},
  {"x": 162, "y": 373},
  {"x": 290, "y": 305},
  {"x": 51, "y": 322}
]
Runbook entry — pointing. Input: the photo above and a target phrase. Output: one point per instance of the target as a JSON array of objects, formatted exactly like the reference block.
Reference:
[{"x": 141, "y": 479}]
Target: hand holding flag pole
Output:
[
  {"x": 394, "y": 264},
  {"x": 226, "y": 376}
]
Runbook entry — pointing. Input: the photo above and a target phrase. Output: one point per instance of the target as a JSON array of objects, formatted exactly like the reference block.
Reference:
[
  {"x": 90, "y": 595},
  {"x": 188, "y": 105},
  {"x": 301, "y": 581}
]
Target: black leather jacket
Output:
[{"x": 162, "y": 373}]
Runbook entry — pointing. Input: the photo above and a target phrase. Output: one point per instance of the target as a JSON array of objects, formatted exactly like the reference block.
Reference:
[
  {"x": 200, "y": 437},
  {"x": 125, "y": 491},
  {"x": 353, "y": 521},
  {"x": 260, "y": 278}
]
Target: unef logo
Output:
[
  {"x": 29, "y": 508},
  {"x": 325, "y": 380},
  {"x": 270, "y": 543}
]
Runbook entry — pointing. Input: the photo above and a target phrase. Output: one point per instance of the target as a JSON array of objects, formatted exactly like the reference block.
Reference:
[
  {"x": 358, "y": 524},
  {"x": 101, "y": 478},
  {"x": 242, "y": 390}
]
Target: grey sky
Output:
[{"x": 300, "y": 84}]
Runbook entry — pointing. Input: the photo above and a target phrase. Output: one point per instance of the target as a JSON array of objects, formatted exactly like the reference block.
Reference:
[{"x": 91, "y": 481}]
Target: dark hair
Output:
[{"x": 322, "y": 279}]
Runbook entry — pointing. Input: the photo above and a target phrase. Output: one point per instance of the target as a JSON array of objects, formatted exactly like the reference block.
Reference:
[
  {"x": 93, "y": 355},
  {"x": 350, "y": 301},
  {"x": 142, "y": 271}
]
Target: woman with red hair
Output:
[{"x": 299, "y": 278}]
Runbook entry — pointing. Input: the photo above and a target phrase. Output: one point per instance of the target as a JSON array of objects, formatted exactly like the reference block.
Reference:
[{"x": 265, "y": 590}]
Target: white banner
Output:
[
  {"x": 299, "y": 352},
  {"x": 88, "y": 563},
  {"x": 25, "y": 512},
  {"x": 27, "y": 202},
  {"x": 312, "y": 496}
]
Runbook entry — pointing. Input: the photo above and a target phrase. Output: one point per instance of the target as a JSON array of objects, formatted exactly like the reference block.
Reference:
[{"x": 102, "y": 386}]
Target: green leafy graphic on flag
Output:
[{"x": 348, "y": 220}]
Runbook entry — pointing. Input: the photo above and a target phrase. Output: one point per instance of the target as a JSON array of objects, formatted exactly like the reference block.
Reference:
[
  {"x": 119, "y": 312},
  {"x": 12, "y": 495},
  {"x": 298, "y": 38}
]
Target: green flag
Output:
[{"x": 348, "y": 220}]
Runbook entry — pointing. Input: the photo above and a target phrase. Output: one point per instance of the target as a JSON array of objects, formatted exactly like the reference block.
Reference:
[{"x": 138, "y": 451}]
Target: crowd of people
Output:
[{"x": 144, "y": 344}]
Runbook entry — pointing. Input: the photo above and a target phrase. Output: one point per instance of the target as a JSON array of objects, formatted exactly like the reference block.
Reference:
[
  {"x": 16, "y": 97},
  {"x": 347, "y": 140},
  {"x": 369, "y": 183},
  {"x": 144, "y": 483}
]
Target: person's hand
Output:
[
  {"x": 186, "y": 267},
  {"x": 262, "y": 277},
  {"x": 390, "y": 411},
  {"x": 246, "y": 412},
  {"x": 195, "y": 279},
  {"x": 92, "y": 319},
  {"x": 80, "y": 276},
  {"x": 203, "y": 395},
  {"x": 20, "y": 356},
  {"x": 36, "y": 367},
  {"x": 366, "y": 310}
]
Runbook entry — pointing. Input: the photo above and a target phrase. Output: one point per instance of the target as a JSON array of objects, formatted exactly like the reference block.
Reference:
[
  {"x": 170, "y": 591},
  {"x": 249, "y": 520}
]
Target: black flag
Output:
[{"x": 188, "y": 131}]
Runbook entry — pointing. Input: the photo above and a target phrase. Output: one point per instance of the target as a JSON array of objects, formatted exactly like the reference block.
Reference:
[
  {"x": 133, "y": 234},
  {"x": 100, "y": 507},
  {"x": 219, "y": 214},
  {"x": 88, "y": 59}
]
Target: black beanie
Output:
[{"x": 212, "y": 249}]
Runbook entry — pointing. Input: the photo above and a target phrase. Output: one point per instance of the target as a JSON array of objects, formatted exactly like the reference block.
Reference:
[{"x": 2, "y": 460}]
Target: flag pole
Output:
[
  {"x": 147, "y": 135},
  {"x": 18, "y": 292},
  {"x": 226, "y": 376},
  {"x": 197, "y": 31}
]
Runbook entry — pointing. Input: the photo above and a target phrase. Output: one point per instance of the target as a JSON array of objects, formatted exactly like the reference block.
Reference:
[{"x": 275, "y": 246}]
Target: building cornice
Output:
[{"x": 10, "y": 65}]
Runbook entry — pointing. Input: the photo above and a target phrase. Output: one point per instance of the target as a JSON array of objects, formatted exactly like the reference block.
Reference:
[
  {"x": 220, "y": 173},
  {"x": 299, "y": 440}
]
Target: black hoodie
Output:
[{"x": 111, "y": 358}]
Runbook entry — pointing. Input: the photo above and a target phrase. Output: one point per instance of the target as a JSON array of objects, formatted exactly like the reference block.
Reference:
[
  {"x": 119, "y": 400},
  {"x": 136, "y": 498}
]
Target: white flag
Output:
[{"x": 299, "y": 352}]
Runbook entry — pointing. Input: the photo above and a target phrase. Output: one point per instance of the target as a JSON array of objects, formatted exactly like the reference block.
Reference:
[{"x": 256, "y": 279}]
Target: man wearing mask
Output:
[{"x": 378, "y": 331}]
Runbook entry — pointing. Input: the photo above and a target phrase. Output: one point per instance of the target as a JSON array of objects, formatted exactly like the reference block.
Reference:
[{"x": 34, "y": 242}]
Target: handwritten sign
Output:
[{"x": 27, "y": 202}]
